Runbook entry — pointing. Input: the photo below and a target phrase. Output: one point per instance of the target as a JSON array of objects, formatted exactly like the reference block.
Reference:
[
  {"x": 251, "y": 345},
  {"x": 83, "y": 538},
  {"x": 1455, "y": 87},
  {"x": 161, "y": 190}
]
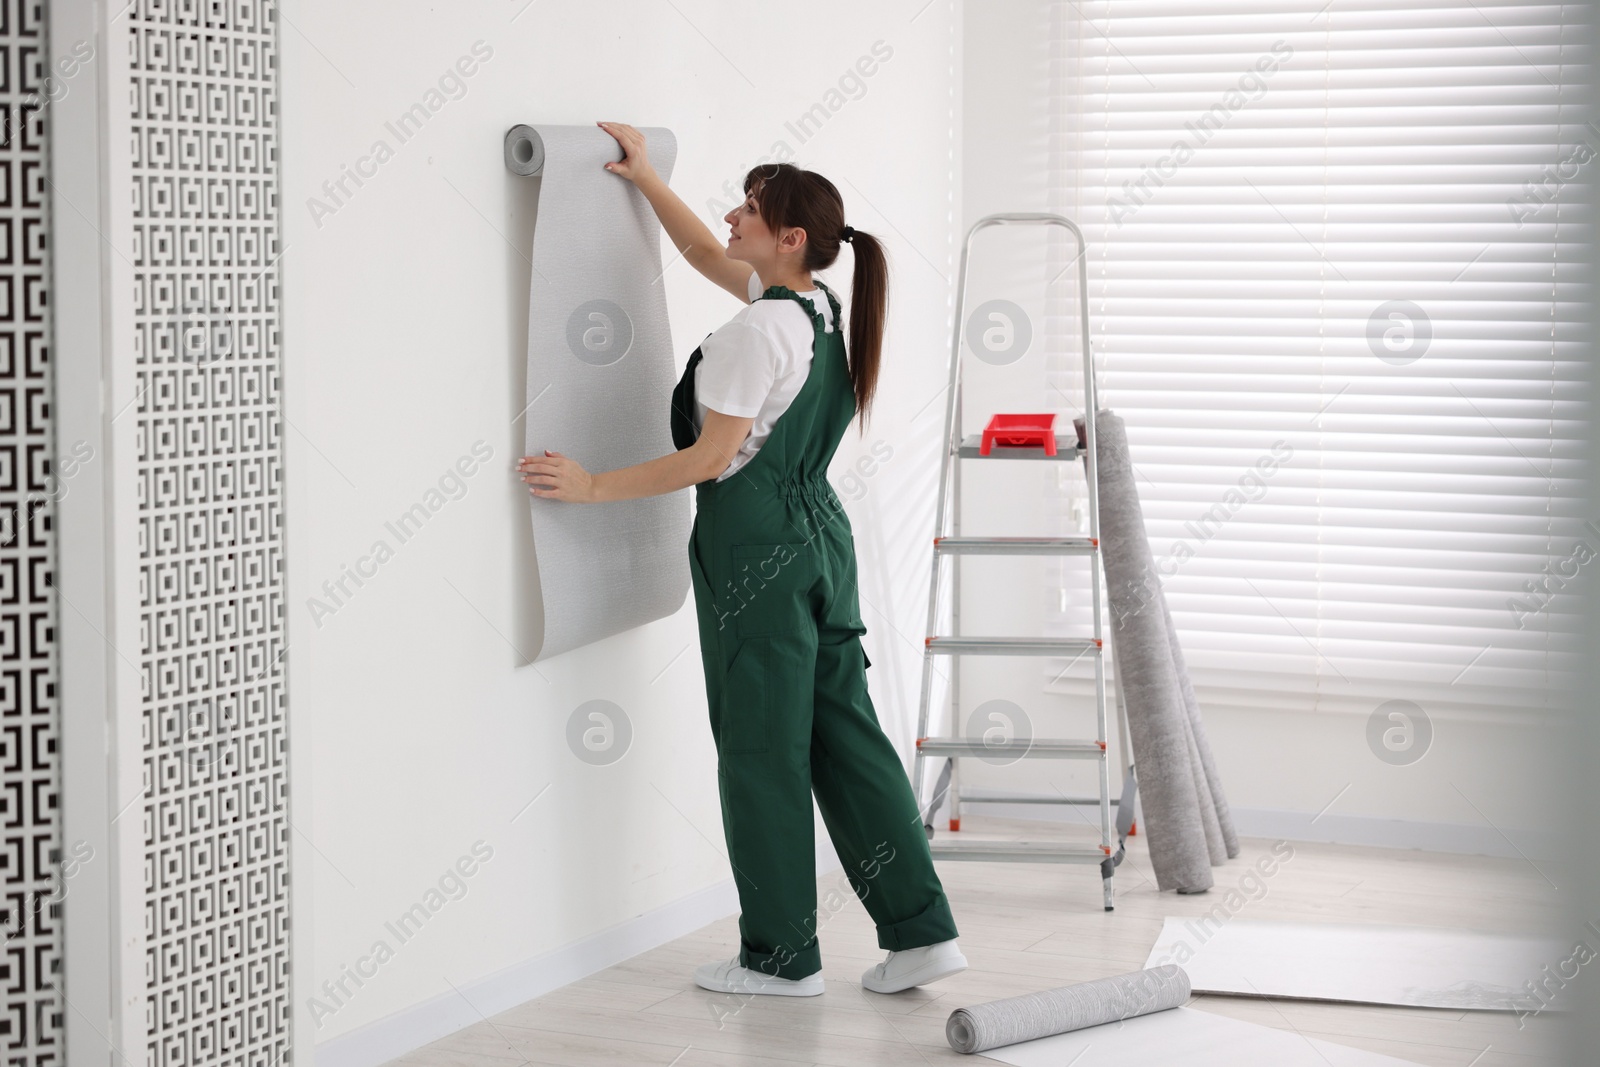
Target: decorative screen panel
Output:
[
  {"x": 30, "y": 483},
  {"x": 203, "y": 94}
]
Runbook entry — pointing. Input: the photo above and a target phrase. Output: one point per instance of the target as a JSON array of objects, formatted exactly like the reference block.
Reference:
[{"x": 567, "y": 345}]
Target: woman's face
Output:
[{"x": 750, "y": 240}]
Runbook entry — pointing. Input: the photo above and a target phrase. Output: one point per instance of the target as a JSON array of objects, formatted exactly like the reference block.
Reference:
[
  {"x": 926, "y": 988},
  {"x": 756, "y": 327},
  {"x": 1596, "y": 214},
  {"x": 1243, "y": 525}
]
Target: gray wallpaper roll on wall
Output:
[{"x": 600, "y": 374}]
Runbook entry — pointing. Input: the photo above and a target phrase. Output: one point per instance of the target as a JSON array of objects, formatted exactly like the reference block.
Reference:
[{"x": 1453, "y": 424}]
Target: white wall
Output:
[
  {"x": 418, "y": 727},
  {"x": 1280, "y": 770}
]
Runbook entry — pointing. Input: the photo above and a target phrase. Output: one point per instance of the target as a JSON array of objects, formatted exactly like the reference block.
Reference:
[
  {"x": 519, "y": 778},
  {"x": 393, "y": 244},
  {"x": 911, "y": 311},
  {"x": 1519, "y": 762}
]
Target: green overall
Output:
[{"x": 774, "y": 570}]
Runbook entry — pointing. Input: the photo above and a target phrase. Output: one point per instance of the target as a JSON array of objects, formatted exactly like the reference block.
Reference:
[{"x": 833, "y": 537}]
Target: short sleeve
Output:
[
  {"x": 738, "y": 365},
  {"x": 756, "y": 288}
]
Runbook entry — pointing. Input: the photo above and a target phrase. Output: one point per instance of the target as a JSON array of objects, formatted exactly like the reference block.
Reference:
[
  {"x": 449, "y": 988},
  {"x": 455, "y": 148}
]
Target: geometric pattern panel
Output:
[
  {"x": 33, "y": 869},
  {"x": 205, "y": 246}
]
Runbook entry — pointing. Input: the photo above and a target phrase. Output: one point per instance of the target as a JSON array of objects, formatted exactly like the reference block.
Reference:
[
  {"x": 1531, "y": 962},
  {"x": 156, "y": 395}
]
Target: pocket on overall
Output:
[
  {"x": 706, "y": 619},
  {"x": 745, "y": 701},
  {"x": 770, "y": 587}
]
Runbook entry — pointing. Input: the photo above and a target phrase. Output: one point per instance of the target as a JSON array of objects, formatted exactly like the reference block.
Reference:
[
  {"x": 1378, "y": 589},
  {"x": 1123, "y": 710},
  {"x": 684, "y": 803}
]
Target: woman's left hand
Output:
[{"x": 555, "y": 476}]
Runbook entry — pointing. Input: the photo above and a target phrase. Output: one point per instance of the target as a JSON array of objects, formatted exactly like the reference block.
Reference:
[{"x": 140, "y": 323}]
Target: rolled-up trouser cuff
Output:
[
  {"x": 784, "y": 963},
  {"x": 933, "y": 925}
]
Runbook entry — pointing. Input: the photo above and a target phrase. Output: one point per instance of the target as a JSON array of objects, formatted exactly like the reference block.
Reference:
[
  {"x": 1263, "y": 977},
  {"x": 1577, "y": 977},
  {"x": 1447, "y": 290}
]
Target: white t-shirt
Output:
[{"x": 754, "y": 366}]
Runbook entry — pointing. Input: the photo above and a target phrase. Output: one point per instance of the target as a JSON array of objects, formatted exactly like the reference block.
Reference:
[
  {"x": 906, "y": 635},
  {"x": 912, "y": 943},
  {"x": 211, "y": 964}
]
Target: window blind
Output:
[{"x": 1336, "y": 259}]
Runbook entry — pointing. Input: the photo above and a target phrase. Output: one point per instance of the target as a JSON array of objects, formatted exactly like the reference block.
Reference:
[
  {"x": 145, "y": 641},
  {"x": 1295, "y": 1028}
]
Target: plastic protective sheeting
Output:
[{"x": 601, "y": 369}]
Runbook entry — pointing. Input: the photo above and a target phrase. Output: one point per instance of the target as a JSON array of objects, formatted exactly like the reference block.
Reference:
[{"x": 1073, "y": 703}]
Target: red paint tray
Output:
[{"x": 1020, "y": 431}]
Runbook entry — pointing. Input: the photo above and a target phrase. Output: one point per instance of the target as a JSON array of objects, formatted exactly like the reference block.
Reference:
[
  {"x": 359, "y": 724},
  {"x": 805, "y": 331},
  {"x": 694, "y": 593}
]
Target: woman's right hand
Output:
[{"x": 635, "y": 164}]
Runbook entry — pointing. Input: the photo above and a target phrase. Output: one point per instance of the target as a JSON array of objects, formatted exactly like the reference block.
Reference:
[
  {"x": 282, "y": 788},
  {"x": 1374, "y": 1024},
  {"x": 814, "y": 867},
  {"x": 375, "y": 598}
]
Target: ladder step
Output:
[
  {"x": 1033, "y": 748},
  {"x": 1066, "y": 449},
  {"x": 1015, "y": 546},
  {"x": 1001, "y": 796},
  {"x": 1010, "y": 646},
  {"x": 1026, "y": 851}
]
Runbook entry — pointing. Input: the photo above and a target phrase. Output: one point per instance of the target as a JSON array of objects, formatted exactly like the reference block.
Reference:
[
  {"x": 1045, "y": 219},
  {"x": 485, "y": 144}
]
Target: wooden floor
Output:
[{"x": 1026, "y": 927}]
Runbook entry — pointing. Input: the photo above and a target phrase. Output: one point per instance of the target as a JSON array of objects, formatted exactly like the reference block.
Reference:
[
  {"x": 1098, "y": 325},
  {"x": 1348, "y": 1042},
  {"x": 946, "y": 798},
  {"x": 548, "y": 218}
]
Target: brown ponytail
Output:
[{"x": 788, "y": 196}]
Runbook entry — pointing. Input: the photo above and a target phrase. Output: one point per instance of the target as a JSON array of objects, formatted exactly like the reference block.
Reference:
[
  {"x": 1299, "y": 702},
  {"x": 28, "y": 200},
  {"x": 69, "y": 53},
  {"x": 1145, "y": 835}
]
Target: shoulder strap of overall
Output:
[{"x": 779, "y": 292}]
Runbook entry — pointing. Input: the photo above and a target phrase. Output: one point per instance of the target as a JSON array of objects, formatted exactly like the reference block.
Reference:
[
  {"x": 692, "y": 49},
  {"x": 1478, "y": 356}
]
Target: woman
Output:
[{"x": 756, "y": 418}]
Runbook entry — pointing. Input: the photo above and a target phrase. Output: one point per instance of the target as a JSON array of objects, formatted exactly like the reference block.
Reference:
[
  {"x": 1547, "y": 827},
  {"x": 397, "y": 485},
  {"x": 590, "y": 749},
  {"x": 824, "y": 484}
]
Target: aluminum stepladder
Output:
[{"x": 948, "y": 543}]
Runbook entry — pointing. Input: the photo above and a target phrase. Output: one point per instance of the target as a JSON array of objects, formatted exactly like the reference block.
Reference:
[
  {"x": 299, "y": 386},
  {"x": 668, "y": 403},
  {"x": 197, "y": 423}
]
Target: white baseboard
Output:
[
  {"x": 1331, "y": 829},
  {"x": 411, "y": 1028},
  {"x": 1463, "y": 838}
]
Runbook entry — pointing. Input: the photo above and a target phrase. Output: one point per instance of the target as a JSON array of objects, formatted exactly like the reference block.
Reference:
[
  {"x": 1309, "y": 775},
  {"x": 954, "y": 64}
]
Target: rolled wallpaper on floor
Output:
[
  {"x": 1186, "y": 819},
  {"x": 980, "y": 1027},
  {"x": 601, "y": 369}
]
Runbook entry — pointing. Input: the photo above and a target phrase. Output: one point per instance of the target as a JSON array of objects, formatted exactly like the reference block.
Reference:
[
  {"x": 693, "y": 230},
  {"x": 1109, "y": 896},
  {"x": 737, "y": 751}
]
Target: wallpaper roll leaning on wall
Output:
[
  {"x": 1185, "y": 813},
  {"x": 600, "y": 376}
]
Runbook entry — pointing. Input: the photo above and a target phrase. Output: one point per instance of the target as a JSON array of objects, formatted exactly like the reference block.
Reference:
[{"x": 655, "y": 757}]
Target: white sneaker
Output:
[
  {"x": 729, "y": 977},
  {"x": 914, "y": 966}
]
